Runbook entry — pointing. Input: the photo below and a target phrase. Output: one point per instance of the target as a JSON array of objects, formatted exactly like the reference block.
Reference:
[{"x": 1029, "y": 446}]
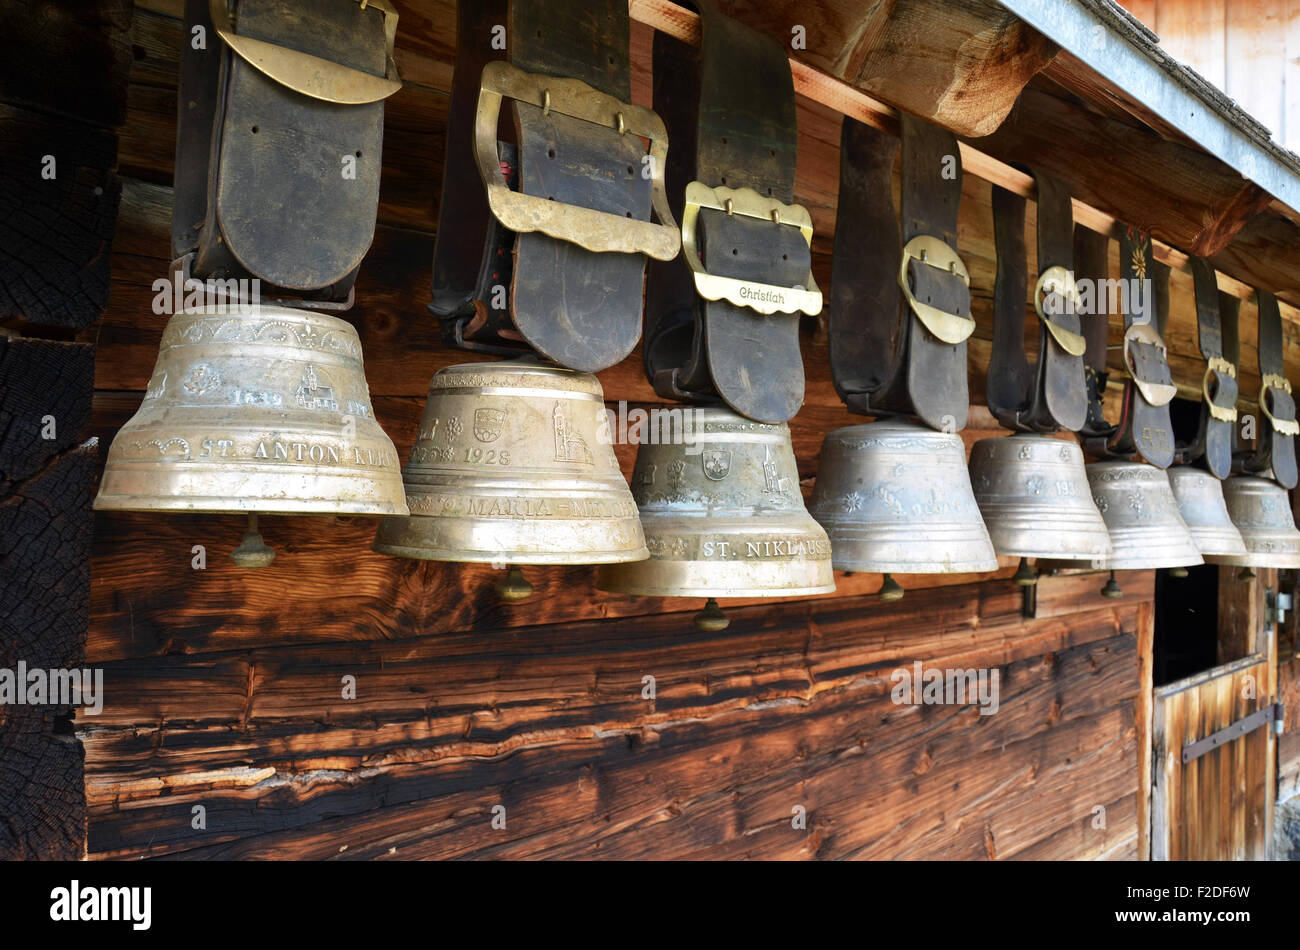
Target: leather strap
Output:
[
  {"x": 885, "y": 359},
  {"x": 1053, "y": 394},
  {"x": 730, "y": 110},
  {"x": 272, "y": 183},
  {"x": 474, "y": 255},
  {"x": 1145, "y": 431},
  {"x": 1275, "y": 448},
  {"x": 1214, "y": 434},
  {"x": 502, "y": 291},
  {"x": 1091, "y": 264}
]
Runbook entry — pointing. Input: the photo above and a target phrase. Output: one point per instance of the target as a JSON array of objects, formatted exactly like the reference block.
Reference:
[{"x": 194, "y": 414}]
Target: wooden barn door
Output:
[{"x": 1212, "y": 788}]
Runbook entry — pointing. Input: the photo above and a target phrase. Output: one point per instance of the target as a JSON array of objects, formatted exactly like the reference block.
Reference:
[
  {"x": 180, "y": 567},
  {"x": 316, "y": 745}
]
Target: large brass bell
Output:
[
  {"x": 1033, "y": 493},
  {"x": 1140, "y": 512},
  {"x": 895, "y": 498},
  {"x": 1260, "y": 509},
  {"x": 513, "y": 464},
  {"x": 1200, "y": 502},
  {"x": 723, "y": 517},
  {"x": 265, "y": 410}
]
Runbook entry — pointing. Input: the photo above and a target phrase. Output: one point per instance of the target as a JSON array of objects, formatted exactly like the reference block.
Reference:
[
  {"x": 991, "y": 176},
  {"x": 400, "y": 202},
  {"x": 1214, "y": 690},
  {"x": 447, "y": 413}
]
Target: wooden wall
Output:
[
  {"x": 224, "y": 687},
  {"x": 1288, "y": 745},
  {"x": 1248, "y": 48}
]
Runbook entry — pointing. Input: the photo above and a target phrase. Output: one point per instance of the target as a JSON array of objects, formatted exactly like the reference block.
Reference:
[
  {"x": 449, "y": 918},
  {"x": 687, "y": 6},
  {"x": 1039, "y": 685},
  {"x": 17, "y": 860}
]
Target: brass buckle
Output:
[
  {"x": 1281, "y": 426},
  {"x": 1217, "y": 365},
  {"x": 764, "y": 298},
  {"x": 311, "y": 75},
  {"x": 948, "y": 327},
  {"x": 593, "y": 230},
  {"x": 1156, "y": 394},
  {"x": 1057, "y": 280}
]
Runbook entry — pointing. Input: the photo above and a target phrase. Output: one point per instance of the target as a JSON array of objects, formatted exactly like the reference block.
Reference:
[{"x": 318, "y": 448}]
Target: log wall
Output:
[{"x": 224, "y": 688}]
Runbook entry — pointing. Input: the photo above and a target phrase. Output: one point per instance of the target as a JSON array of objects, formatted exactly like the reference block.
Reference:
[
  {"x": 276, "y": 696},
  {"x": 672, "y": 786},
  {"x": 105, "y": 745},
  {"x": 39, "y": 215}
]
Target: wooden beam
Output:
[
  {"x": 1194, "y": 201},
  {"x": 836, "y": 94}
]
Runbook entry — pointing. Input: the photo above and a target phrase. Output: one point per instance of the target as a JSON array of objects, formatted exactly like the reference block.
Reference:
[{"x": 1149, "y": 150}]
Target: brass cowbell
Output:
[
  {"x": 1033, "y": 493},
  {"x": 1201, "y": 503},
  {"x": 895, "y": 498},
  {"x": 723, "y": 516},
  {"x": 514, "y": 464},
  {"x": 1261, "y": 511},
  {"x": 1138, "y": 506},
  {"x": 258, "y": 410}
]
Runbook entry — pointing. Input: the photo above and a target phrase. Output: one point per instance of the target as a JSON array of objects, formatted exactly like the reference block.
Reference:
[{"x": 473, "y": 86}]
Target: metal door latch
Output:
[{"x": 1271, "y": 713}]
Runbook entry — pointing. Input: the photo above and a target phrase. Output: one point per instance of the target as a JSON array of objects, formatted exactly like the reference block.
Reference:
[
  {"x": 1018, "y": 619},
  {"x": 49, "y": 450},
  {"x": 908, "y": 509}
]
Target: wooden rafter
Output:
[{"x": 676, "y": 21}]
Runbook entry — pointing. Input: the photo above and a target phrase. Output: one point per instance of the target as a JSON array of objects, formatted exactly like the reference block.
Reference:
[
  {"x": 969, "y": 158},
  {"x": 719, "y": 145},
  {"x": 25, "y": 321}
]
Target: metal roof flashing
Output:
[{"x": 1115, "y": 45}]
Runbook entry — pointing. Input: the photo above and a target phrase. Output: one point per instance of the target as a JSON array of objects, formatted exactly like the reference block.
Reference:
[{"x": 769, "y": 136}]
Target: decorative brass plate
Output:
[
  {"x": 948, "y": 327},
  {"x": 1156, "y": 394},
  {"x": 311, "y": 75},
  {"x": 590, "y": 229},
  {"x": 1217, "y": 365},
  {"x": 1057, "y": 280},
  {"x": 1274, "y": 381},
  {"x": 764, "y": 298}
]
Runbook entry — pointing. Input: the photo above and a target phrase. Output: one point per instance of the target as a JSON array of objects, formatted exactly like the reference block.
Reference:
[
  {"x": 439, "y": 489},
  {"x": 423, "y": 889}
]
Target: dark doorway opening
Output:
[{"x": 1186, "y": 623}]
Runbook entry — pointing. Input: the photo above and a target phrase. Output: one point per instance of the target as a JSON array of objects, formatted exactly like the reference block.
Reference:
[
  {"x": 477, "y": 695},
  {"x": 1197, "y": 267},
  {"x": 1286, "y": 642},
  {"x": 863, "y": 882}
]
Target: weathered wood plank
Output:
[
  {"x": 960, "y": 64},
  {"x": 71, "y": 60},
  {"x": 44, "y": 586},
  {"x": 58, "y": 209},
  {"x": 1215, "y": 807},
  {"x": 817, "y": 704}
]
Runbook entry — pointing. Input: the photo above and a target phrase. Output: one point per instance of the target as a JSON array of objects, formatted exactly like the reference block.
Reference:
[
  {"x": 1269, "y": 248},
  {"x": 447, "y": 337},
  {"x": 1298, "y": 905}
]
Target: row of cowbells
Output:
[{"x": 269, "y": 412}]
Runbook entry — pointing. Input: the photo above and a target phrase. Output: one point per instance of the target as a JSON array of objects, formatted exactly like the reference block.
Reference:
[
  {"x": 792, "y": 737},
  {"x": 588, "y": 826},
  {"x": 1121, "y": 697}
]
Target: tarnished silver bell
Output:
[
  {"x": 1140, "y": 512},
  {"x": 513, "y": 464},
  {"x": 895, "y": 498},
  {"x": 1200, "y": 502},
  {"x": 1260, "y": 509},
  {"x": 723, "y": 516},
  {"x": 1033, "y": 493},
  {"x": 264, "y": 409}
]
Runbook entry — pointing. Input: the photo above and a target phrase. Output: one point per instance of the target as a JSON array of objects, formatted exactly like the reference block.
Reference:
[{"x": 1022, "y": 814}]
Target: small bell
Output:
[
  {"x": 895, "y": 498},
  {"x": 1261, "y": 511},
  {"x": 1200, "y": 502},
  {"x": 1140, "y": 512},
  {"x": 1033, "y": 493},
  {"x": 723, "y": 515}
]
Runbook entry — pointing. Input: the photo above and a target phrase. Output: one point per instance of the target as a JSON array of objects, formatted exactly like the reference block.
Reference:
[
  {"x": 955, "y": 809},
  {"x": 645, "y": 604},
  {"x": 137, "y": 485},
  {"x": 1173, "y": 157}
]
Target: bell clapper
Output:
[
  {"x": 252, "y": 551},
  {"x": 711, "y": 619},
  {"x": 1025, "y": 575},
  {"x": 514, "y": 587},
  {"x": 1112, "y": 589},
  {"x": 890, "y": 589}
]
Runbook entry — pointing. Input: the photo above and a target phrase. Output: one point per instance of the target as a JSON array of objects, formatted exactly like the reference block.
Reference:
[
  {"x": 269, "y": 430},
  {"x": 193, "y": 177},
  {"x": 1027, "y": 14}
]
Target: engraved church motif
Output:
[
  {"x": 569, "y": 446},
  {"x": 310, "y": 394}
]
